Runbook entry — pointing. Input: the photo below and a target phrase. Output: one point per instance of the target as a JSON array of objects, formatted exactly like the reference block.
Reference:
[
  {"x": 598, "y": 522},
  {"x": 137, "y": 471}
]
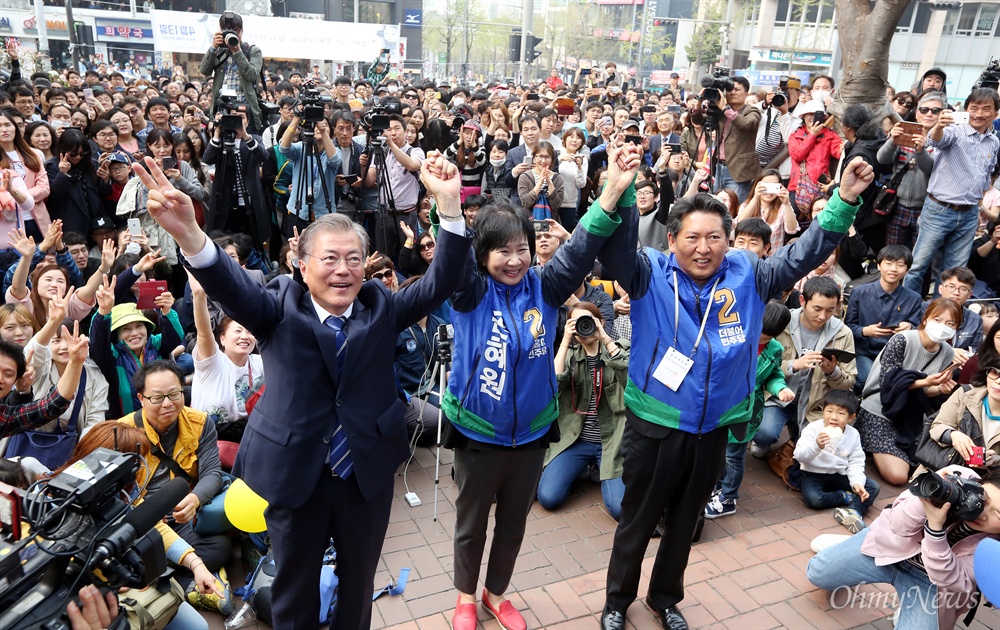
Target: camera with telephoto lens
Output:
[
  {"x": 965, "y": 495},
  {"x": 228, "y": 23},
  {"x": 82, "y": 533},
  {"x": 586, "y": 325},
  {"x": 990, "y": 78}
]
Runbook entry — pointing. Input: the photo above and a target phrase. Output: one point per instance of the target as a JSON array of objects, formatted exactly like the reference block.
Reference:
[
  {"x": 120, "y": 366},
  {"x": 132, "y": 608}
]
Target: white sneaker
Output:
[
  {"x": 825, "y": 541},
  {"x": 758, "y": 451}
]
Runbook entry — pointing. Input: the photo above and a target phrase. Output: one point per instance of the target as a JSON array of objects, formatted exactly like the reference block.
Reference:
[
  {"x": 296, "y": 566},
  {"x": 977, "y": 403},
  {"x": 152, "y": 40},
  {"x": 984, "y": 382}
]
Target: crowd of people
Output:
[{"x": 644, "y": 285}]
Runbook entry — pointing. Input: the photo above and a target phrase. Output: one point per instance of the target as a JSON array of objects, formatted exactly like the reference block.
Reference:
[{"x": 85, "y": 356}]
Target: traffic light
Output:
[
  {"x": 533, "y": 51},
  {"x": 515, "y": 46},
  {"x": 663, "y": 21}
]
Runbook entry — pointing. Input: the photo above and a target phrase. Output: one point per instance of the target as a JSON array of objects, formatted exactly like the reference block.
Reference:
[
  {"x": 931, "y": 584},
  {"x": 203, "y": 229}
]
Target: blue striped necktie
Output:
[{"x": 340, "y": 455}]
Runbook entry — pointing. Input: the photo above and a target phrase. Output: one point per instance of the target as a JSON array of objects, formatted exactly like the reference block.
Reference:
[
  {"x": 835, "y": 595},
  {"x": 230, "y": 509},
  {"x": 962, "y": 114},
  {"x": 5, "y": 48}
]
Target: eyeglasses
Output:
[
  {"x": 382, "y": 275},
  {"x": 645, "y": 193},
  {"x": 76, "y": 154},
  {"x": 905, "y": 101},
  {"x": 992, "y": 373},
  {"x": 426, "y": 246},
  {"x": 157, "y": 399},
  {"x": 409, "y": 96},
  {"x": 333, "y": 262},
  {"x": 107, "y": 135},
  {"x": 954, "y": 288},
  {"x": 930, "y": 110}
]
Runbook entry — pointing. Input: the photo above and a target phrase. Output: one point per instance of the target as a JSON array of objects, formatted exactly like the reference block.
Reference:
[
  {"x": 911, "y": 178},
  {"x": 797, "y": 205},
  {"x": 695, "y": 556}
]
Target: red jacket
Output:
[
  {"x": 815, "y": 151},
  {"x": 554, "y": 83}
]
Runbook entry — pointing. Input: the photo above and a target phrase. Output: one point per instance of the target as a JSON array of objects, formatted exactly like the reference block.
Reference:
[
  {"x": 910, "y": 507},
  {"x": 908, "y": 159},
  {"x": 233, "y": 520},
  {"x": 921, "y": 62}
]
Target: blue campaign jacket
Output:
[
  {"x": 716, "y": 391},
  {"x": 502, "y": 388}
]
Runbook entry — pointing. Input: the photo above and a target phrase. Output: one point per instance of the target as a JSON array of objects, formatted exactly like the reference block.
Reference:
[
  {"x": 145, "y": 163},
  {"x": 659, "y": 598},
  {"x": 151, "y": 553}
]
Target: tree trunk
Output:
[{"x": 865, "y": 34}]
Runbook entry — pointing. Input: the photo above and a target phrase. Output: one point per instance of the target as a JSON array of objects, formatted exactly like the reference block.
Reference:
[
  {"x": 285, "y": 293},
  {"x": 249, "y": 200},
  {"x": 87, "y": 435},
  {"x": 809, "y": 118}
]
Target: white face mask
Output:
[
  {"x": 939, "y": 332},
  {"x": 820, "y": 95},
  {"x": 498, "y": 163},
  {"x": 457, "y": 101}
]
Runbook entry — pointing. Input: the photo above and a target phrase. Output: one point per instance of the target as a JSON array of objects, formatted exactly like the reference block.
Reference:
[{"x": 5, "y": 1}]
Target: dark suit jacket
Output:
[
  {"x": 656, "y": 144},
  {"x": 219, "y": 207},
  {"x": 287, "y": 439},
  {"x": 741, "y": 144}
]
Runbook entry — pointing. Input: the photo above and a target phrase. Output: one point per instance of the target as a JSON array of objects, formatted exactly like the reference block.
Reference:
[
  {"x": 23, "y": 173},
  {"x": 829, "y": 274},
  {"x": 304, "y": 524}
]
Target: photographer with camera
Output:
[
  {"x": 237, "y": 202},
  {"x": 592, "y": 370},
  {"x": 354, "y": 197},
  {"x": 310, "y": 201},
  {"x": 923, "y": 546},
  {"x": 736, "y": 165},
  {"x": 235, "y": 65},
  {"x": 402, "y": 165}
]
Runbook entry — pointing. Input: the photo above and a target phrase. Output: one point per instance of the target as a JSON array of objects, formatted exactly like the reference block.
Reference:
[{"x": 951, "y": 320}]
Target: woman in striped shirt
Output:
[{"x": 470, "y": 158}]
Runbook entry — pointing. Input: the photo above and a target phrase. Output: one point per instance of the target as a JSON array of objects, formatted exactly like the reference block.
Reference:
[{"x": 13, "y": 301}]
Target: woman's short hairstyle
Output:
[
  {"x": 575, "y": 131},
  {"x": 19, "y": 312},
  {"x": 497, "y": 225},
  {"x": 590, "y": 308},
  {"x": 942, "y": 305},
  {"x": 547, "y": 148}
]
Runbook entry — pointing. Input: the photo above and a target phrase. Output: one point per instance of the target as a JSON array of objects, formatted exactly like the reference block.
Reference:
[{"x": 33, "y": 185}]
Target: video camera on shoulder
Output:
[{"x": 990, "y": 78}]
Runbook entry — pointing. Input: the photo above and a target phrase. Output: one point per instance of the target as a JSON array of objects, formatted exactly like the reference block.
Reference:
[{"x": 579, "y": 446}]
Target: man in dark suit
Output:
[
  {"x": 665, "y": 125},
  {"x": 324, "y": 441}
]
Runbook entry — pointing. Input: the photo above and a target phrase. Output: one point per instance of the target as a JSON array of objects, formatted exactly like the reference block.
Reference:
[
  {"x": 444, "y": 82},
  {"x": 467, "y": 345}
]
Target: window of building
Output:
[
  {"x": 967, "y": 19},
  {"x": 906, "y": 20},
  {"x": 987, "y": 19},
  {"x": 923, "y": 18}
]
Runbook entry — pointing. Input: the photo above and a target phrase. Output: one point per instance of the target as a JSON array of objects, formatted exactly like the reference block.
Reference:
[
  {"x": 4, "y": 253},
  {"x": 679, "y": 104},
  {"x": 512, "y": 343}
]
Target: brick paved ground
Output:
[{"x": 748, "y": 571}]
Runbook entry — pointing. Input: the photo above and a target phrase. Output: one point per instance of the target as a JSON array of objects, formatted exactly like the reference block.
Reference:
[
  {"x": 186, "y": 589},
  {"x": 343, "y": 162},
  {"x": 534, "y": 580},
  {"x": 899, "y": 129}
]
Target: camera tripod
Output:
[
  {"x": 241, "y": 205},
  {"x": 442, "y": 344},
  {"x": 309, "y": 171},
  {"x": 385, "y": 214}
]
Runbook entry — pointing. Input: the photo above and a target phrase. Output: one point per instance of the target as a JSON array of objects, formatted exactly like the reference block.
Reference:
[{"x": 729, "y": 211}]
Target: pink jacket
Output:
[
  {"x": 898, "y": 534},
  {"x": 38, "y": 188},
  {"x": 815, "y": 151}
]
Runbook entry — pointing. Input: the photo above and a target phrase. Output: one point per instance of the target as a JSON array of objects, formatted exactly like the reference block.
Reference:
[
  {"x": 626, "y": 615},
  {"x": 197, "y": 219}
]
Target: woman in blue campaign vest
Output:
[{"x": 502, "y": 392}]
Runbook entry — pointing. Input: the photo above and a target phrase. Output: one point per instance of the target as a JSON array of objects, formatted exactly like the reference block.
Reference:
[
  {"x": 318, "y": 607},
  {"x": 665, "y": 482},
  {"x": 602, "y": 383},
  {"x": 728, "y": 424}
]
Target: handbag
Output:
[
  {"x": 885, "y": 201},
  {"x": 933, "y": 455},
  {"x": 153, "y": 607},
  {"x": 783, "y": 464},
  {"x": 54, "y": 449},
  {"x": 806, "y": 192},
  {"x": 211, "y": 518}
]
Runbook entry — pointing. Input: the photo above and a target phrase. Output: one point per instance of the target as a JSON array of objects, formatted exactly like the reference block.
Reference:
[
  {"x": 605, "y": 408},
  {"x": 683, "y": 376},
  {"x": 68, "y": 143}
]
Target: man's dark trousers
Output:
[{"x": 671, "y": 473}]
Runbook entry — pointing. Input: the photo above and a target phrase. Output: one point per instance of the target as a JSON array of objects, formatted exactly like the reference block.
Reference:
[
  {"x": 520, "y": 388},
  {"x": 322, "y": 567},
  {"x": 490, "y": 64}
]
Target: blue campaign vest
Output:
[
  {"x": 725, "y": 365},
  {"x": 502, "y": 370}
]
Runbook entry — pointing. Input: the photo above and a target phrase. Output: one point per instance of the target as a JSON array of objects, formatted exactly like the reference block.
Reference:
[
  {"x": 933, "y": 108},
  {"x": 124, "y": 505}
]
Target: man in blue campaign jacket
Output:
[{"x": 686, "y": 387}]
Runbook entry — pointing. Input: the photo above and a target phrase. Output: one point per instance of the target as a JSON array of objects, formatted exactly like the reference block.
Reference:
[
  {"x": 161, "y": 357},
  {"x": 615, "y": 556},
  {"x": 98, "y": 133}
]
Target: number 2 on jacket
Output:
[{"x": 727, "y": 314}]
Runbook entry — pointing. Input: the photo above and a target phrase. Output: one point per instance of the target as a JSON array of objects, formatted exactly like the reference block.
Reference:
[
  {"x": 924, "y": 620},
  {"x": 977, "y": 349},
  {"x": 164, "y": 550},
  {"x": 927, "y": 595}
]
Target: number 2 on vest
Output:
[{"x": 727, "y": 314}]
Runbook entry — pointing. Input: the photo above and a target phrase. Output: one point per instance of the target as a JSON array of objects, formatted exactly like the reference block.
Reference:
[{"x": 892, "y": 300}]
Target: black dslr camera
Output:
[
  {"x": 586, "y": 325},
  {"x": 965, "y": 495},
  {"x": 781, "y": 96},
  {"x": 228, "y": 24}
]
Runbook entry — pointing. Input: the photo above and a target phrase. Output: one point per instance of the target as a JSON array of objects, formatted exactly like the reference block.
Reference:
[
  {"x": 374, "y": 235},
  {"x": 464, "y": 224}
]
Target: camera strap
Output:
[{"x": 167, "y": 460}]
